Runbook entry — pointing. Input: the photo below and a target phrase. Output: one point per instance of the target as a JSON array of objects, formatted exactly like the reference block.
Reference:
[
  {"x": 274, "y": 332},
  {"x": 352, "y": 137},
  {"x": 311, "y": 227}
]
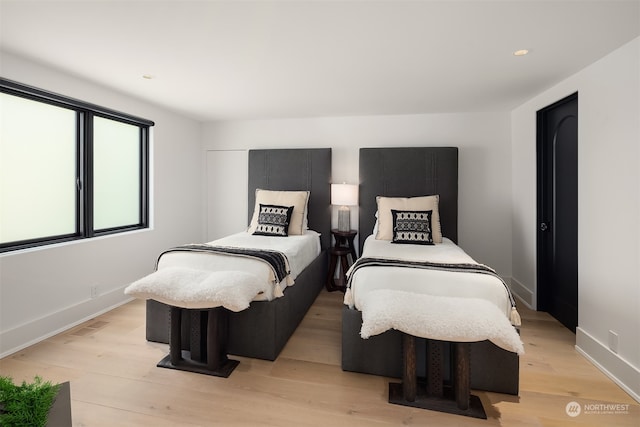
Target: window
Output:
[{"x": 68, "y": 169}]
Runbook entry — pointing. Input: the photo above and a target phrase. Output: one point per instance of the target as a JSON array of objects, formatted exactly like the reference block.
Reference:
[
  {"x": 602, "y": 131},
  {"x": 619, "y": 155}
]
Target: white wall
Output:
[
  {"x": 226, "y": 187},
  {"x": 485, "y": 161},
  {"x": 608, "y": 203},
  {"x": 47, "y": 289}
]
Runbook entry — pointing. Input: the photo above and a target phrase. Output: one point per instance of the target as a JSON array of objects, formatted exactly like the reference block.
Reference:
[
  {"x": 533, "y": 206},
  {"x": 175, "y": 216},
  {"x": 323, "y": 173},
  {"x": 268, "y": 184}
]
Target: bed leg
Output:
[
  {"x": 216, "y": 338},
  {"x": 175, "y": 342},
  {"x": 217, "y": 364},
  {"x": 461, "y": 386},
  {"x": 197, "y": 335},
  {"x": 409, "y": 378},
  {"x": 434, "y": 361},
  {"x": 435, "y": 396}
]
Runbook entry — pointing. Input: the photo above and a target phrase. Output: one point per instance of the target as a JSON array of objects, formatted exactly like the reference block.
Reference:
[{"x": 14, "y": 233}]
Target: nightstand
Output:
[{"x": 339, "y": 255}]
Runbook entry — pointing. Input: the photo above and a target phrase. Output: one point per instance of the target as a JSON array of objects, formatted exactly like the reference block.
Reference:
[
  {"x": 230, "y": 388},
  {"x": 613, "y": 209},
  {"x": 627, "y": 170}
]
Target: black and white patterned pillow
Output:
[
  {"x": 412, "y": 227},
  {"x": 273, "y": 220}
]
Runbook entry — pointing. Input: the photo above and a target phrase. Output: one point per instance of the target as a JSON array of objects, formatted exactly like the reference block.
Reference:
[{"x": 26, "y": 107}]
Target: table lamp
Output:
[{"x": 344, "y": 195}]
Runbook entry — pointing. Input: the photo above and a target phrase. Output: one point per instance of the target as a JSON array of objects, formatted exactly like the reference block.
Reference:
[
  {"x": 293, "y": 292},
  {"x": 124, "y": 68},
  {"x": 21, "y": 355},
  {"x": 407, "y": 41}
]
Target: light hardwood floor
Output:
[{"x": 114, "y": 381}]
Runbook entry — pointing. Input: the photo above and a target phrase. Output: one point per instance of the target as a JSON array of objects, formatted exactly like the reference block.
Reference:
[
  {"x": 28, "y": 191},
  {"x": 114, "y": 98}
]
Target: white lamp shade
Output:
[{"x": 344, "y": 194}]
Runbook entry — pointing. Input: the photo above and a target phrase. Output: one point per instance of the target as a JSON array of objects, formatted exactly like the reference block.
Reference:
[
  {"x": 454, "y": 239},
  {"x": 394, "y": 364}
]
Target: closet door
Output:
[{"x": 558, "y": 211}]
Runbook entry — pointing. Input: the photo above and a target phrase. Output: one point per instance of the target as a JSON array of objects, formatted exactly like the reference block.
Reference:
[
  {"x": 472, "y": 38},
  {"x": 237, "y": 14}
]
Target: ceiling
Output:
[{"x": 225, "y": 60}]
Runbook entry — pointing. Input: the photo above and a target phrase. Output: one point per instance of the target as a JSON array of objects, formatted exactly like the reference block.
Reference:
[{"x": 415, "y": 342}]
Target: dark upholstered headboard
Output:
[
  {"x": 409, "y": 172},
  {"x": 296, "y": 170}
]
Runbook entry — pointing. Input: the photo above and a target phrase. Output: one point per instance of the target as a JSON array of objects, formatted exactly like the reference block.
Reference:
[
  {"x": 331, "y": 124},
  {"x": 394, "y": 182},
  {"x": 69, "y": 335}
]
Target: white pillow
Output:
[
  {"x": 422, "y": 203},
  {"x": 298, "y": 199}
]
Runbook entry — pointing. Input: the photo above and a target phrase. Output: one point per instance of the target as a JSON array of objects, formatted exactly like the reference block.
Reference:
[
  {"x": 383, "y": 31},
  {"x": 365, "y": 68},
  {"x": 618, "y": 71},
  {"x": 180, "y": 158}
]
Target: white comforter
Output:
[
  {"x": 207, "y": 280},
  {"x": 422, "y": 281},
  {"x": 300, "y": 250},
  {"x": 439, "y": 318}
]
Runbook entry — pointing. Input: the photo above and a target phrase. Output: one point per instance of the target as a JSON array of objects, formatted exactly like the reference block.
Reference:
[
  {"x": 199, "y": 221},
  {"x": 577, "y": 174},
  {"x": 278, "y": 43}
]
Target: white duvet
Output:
[
  {"x": 422, "y": 281},
  {"x": 300, "y": 250},
  {"x": 438, "y": 318},
  {"x": 205, "y": 280},
  {"x": 435, "y": 304}
]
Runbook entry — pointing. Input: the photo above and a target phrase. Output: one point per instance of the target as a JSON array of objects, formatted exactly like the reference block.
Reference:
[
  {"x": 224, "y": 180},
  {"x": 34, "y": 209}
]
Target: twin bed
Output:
[
  {"x": 262, "y": 329},
  {"x": 399, "y": 173}
]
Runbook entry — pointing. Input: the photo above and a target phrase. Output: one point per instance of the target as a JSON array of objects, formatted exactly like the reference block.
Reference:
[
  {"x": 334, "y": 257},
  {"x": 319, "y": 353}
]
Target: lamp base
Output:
[{"x": 344, "y": 218}]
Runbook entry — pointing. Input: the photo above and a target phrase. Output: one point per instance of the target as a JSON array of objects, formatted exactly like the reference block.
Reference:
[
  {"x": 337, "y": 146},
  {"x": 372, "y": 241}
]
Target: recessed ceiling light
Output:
[
  {"x": 521, "y": 52},
  {"x": 148, "y": 76}
]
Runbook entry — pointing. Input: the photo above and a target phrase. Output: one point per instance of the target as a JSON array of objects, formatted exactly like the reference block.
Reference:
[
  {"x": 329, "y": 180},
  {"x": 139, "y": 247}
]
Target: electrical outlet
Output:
[
  {"x": 94, "y": 291},
  {"x": 613, "y": 342}
]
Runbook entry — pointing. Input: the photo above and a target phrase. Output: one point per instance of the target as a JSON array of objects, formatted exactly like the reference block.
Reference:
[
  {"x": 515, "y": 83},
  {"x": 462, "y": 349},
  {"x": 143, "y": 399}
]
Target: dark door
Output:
[{"x": 557, "y": 158}]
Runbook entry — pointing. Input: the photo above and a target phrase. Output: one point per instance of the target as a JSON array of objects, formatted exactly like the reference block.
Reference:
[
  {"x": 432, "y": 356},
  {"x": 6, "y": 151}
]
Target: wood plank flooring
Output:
[{"x": 114, "y": 380}]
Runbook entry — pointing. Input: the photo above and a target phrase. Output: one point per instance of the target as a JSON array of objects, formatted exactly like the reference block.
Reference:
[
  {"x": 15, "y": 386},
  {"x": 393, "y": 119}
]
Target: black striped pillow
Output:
[
  {"x": 413, "y": 227},
  {"x": 273, "y": 220}
]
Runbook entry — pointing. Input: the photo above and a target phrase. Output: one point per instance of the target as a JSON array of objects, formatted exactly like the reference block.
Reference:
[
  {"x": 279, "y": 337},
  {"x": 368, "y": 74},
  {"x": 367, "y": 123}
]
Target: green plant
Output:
[{"x": 27, "y": 404}]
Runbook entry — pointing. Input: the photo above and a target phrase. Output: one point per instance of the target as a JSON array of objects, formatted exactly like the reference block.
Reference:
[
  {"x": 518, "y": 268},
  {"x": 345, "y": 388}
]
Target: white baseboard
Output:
[
  {"x": 522, "y": 293},
  {"x": 619, "y": 370},
  {"x": 14, "y": 340}
]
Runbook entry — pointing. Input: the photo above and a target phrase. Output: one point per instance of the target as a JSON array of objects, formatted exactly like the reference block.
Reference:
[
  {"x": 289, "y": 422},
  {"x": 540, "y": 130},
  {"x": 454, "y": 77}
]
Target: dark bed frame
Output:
[
  {"x": 409, "y": 172},
  {"x": 262, "y": 330}
]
